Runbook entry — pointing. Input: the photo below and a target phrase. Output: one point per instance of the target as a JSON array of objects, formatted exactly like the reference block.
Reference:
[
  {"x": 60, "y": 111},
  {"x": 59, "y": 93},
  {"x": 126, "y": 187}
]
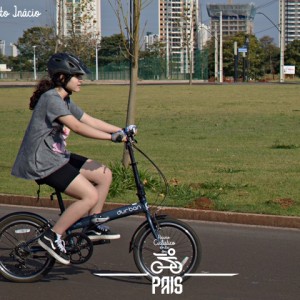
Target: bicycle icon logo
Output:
[{"x": 173, "y": 264}]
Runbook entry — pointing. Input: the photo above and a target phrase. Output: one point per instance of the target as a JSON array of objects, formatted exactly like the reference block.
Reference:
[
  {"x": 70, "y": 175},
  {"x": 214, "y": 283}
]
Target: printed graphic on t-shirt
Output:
[{"x": 60, "y": 147}]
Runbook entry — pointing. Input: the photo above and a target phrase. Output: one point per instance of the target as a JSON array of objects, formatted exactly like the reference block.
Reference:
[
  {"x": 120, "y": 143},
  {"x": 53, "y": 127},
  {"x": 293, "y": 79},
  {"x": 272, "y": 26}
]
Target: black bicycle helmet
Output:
[{"x": 65, "y": 63}]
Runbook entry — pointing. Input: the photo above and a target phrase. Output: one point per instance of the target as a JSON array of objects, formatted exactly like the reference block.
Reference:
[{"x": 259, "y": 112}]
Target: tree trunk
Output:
[
  {"x": 131, "y": 108},
  {"x": 134, "y": 56},
  {"x": 191, "y": 63}
]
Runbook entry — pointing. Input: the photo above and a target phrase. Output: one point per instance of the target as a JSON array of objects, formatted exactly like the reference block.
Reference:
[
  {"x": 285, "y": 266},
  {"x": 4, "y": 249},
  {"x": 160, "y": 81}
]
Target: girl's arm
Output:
[
  {"x": 87, "y": 130},
  {"x": 98, "y": 124}
]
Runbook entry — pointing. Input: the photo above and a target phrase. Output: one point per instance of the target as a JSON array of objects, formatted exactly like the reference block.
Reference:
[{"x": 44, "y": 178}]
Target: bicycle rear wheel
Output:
[
  {"x": 173, "y": 234},
  {"x": 21, "y": 258}
]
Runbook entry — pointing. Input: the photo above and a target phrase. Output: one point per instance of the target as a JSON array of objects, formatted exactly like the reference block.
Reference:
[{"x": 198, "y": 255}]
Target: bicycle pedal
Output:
[
  {"x": 101, "y": 242},
  {"x": 96, "y": 220}
]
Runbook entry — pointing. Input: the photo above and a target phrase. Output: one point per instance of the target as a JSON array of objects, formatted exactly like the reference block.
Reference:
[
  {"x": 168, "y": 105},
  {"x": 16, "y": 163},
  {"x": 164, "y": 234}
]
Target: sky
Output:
[{"x": 42, "y": 13}]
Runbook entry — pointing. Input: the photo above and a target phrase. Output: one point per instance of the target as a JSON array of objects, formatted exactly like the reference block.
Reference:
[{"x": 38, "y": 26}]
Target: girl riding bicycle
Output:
[{"x": 43, "y": 156}]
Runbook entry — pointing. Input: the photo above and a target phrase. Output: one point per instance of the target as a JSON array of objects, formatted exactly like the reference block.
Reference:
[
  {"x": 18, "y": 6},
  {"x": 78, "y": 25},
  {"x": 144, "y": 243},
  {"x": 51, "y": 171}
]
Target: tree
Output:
[
  {"x": 256, "y": 59},
  {"x": 79, "y": 44},
  {"x": 157, "y": 49},
  {"x": 188, "y": 31},
  {"x": 130, "y": 25},
  {"x": 271, "y": 55},
  {"x": 292, "y": 55},
  {"x": 112, "y": 49},
  {"x": 253, "y": 60},
  {"x": 3, "y": 59},
  {"x": 152, "y": 62},
  {"x": 44, "y": 39}
]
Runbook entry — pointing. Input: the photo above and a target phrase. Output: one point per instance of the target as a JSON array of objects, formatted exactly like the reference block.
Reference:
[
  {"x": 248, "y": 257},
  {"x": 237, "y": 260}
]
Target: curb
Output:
[{"x": 180, "y": 213}]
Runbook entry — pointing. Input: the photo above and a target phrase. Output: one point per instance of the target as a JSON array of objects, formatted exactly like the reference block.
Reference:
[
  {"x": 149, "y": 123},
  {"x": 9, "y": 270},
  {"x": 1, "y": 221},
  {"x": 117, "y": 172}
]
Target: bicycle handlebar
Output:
[{"x": 130, "y": 131}]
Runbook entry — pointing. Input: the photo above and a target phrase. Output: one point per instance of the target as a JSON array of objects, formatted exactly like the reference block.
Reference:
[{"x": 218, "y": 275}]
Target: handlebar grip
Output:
[{"x": 131, "y": 130}]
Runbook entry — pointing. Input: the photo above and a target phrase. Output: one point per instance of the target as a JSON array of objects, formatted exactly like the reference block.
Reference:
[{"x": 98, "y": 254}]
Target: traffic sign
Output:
[{"x": 243, "y": 50}]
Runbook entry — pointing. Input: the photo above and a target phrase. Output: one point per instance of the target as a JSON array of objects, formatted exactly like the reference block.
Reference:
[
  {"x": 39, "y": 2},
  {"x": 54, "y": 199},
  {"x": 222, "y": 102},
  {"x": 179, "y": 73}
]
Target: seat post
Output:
[{"x": 60, "y": 201}]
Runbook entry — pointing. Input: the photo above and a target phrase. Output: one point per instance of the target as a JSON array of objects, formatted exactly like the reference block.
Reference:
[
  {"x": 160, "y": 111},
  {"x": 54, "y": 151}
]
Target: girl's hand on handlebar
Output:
[
  {"x": 119, "y": 136},
  {"x": 131, "y": 130}
]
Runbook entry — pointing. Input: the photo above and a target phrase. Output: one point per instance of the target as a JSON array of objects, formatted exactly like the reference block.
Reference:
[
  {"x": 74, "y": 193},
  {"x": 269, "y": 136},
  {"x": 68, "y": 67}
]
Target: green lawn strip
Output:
[{"x": 234, "y": 145}]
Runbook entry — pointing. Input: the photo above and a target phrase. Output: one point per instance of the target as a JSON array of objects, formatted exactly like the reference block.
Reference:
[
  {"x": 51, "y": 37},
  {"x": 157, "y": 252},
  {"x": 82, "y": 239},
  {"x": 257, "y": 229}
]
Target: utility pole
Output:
[
  {"x": 167, "y": 44},
  {"x": 282, "y": 42},
  {"x": 236, "y": 61},
  {"x": 216, "y": 53},
  {"x": 221, "y": 48},
  {"x": 34, "y": 63},
  {"x": 247, "y": 41}
]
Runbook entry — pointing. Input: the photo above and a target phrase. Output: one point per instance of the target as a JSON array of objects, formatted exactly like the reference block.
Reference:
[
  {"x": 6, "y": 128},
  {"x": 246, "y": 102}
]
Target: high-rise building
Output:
[
  {"x": 204, "y": 35},
  {"x": 235, "y": 18},
  {"x": 78, "y": 17},
  {"x": 149, "y": 40},
  {"x": 14, "y": 50},
  {"x": 292, "y": 19},
  {"x": 178, "y": 22},
  {"x": 2, "y": 47}
]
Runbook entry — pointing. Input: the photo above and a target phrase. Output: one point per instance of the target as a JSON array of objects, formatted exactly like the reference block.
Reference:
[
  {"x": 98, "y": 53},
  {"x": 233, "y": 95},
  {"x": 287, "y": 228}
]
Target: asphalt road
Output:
[{"x": 267, "y": 261}]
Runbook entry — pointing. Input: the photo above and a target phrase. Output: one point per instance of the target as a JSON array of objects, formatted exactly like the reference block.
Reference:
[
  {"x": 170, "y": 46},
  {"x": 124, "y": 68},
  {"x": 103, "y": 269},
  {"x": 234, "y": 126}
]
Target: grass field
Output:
[{"x": 238, "y": 146}]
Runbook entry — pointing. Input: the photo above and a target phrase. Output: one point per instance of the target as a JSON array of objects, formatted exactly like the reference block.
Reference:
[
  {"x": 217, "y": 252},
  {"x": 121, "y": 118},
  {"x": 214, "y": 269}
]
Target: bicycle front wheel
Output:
[
  {"x": 21, "y": 258},
  {"x": 173, "y": 234}
]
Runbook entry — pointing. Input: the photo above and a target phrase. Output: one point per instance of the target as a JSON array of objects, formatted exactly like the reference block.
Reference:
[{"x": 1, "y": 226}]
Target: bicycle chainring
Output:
[{"x": 79, "y": 247}]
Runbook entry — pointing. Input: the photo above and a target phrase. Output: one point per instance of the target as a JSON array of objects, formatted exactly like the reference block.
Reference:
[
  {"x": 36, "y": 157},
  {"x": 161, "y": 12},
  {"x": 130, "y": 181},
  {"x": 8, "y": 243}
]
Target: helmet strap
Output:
[
  {"x": 65, "y": 83},
  {"x": 59, "y": 82}
]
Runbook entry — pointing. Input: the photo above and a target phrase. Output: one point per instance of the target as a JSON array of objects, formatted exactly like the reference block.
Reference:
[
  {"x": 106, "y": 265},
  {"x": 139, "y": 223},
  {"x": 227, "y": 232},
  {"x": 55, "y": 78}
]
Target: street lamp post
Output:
[
  {"x": 236, "y": 61},
  {"x": 281, "y": 32},
  {"x": 167, "y": 47},
  {"x": 219, "y": 64},
  {"x": 34, "y": 63},
  {"x": 97, "y": 44},
  {"x": 96, "y": 62},
  {"x": 282, "y": 41},
  {"x": 247, "y": 41}
]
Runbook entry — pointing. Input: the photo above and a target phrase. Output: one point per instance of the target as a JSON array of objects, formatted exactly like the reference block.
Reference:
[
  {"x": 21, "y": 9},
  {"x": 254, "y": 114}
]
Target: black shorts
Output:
[{"x": 61, "y": 178}]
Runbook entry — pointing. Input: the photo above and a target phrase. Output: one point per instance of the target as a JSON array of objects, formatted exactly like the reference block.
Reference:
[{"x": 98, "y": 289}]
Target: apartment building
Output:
[
  {"x": 78, "y": 16},
  {"x": 235, "y": 18},
  {"x": 292, "y": 20},
  {"x": 178, "y": 22}
]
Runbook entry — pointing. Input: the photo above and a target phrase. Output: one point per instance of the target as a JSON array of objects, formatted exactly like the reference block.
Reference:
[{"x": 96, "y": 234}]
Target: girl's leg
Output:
[
  {"x": 84, "y": 191},
  {"x": 101, "y": 177}
]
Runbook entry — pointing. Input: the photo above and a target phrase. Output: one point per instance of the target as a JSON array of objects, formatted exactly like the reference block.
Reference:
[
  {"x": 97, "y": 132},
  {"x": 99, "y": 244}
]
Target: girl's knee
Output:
[
  {"x": 108, "y": 174},
  {"x": 92, "y": 198},
  {"x": 104, "y": 176}
]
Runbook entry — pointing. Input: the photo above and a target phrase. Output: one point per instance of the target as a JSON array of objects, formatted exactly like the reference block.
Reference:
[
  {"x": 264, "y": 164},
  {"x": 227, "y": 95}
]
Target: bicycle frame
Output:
[{"x": 121, "y": 212}]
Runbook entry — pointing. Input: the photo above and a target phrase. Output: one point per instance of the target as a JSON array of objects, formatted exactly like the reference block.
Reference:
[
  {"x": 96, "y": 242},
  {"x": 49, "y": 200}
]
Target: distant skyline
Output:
[
  {"x": 11, "y": 28},
  {"x": 262, "y": 26}
]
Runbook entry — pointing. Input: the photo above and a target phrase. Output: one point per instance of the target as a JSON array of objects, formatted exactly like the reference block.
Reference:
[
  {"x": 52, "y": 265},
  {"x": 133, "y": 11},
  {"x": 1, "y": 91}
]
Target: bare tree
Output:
[
  {"x": 129, "y": 16},
  {"x": 188, "y": 25}
]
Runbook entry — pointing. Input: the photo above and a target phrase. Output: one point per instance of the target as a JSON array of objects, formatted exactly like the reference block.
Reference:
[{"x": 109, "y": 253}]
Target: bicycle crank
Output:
[{"x": 79, "y": 247}]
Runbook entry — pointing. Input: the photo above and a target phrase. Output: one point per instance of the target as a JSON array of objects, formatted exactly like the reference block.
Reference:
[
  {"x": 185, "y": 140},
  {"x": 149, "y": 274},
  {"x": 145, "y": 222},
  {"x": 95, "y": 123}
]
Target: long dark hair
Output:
[{"x": 45, "y": 85}]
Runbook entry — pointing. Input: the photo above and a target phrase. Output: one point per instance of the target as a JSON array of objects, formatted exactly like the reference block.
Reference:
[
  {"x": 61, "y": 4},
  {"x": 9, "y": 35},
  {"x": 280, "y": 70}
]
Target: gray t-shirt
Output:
[{"x": 43, "y": 148}]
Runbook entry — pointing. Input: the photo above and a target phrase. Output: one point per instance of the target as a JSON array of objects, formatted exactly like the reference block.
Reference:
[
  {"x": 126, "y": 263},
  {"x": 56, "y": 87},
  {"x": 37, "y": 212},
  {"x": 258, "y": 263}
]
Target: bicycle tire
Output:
[
  {"x": 20, "y": 263},
  {"x": 174, "y": 234}
]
